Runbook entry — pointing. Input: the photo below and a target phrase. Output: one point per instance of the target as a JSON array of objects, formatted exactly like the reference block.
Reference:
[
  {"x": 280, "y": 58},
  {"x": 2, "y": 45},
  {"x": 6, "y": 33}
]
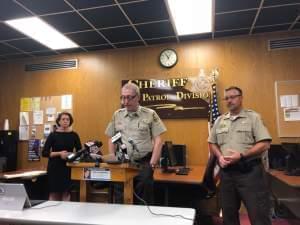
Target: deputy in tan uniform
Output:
[
  {"x": 143, "y": 127},
  {"x": 238, "y": 140}
]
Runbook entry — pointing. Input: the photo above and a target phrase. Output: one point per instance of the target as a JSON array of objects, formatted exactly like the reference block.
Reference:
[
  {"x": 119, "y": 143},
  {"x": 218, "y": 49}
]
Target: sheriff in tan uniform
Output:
[
  {"x": 140, "y": 126},
  {"x": 144, "y": 127},
  {"x": 238, "y": 139},
  {"x": 239, "y": 132}
]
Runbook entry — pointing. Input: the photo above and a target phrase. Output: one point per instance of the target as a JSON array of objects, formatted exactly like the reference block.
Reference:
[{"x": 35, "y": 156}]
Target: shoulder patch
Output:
[{"x": 155, "y": 117}]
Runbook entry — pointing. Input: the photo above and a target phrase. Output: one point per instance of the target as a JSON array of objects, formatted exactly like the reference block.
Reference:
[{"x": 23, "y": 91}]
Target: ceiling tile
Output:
[
  {"x": 279, "y": 2},
  {"x": 161, "y": 40},
  {"x": 4, "y": 49},
  {"x": 10, "y": 10},
  {"x": 70, "y": 50},
  {"x": 233, "y": 5},
  {"x": 121, "y": 34},
  {"x": 87, "y": 38},
  {"x": 271, "y": 28},
  {"x": 232, "y": 33},
  {"x": 105, "y": 17},
  {"x": 45, "y": 6},
  {"x": 6, "y": 32},
  {"x": 43, "y": 53},
  {"x": 129, "y": 44},
  {"x": 156, "y": 30},
  {"x": 128, "y": 1},
  {"x": 195, "y": 37},
  {"x": 141, "y": 12},
  {"x": 234, "y": 20},
  {"x": 82, "y": 4},
  {"x": 28, "y": 45},
  {"x": 67, "y": 22},
  {"x": 277, "y": 15},
  {"x": 98, "y": 47},
  {"x": 17, "y": 56}
]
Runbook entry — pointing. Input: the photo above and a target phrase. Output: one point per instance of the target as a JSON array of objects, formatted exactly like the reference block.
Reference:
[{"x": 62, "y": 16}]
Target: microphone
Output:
[
  {"x": 134, "y": 148},
  {"x": 73, "y": 156},
  {"x": 116, "y": 138},
  {"x": 122, "y": 148}
]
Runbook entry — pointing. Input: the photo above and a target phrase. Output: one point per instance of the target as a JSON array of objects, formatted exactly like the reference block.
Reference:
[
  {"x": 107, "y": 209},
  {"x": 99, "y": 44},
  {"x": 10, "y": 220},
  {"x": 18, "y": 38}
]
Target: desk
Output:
[
  {"x": 82, "y": 213},
  {"x": 26, "y": 174},
  {"x": 119, "y": 173},
  {"x": 286, "y": 190},
  {"x": 195, "y": 176},
  {"x": 35, "y": 181}
]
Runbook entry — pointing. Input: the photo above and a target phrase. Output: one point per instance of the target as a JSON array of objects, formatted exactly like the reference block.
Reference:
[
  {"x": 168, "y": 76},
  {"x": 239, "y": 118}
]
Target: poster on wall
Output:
[
  {"x": 176, "y": 97},
  {"x": 292, "y": 114},
  {"x": 34, "y": 150}
]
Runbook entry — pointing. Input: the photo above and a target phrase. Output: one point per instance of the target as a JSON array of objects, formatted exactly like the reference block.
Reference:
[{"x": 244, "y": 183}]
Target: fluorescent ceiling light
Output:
[
  {"x": 42, "y": 32},
  {"x": 191, "y": 16}
]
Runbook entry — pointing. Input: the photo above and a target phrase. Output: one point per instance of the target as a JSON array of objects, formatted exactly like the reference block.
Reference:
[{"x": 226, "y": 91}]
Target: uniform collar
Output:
[
  {"x": 241, "y": 114},
  {"x": 136, "y": 113}
]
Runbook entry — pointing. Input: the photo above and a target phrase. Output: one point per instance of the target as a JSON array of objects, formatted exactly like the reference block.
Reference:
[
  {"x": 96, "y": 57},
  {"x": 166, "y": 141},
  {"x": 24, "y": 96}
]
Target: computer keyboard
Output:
[{"x": 183, "y": 171}]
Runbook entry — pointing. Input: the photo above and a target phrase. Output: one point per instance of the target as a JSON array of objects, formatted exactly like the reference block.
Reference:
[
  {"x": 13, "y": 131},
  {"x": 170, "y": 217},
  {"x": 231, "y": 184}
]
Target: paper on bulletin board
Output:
[
  {"x": 36, "y": 103},
  {"x": 23, "y": 133},
  {"x": 66, "y": 102},
  {"x": 51, "y": 111},
  {"x": 34, "y": 150},
  {"x": 292, "y": 114},
  {"x": 38, "y": 117},
  {"x": 26, "y": 105},
  {"x": 287, "y": 101},
  {"x": 24, "y": 118},
  {"x": 47, "y": 130},
  {"x": 50, "y": 118},
  {"x": 33, "y": 132}
]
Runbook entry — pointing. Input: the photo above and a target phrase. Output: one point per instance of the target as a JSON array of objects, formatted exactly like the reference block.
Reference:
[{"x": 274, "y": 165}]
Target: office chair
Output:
[
  {"x": 210, "y": 178},
  {"x": 2, "y": 164}
]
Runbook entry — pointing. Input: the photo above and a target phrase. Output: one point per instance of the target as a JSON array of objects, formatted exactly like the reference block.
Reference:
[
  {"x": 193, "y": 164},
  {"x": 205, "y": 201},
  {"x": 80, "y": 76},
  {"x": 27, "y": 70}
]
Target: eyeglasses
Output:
[
  {"x": 230, "y": 97},
  {"x": 128, "y": 97}
]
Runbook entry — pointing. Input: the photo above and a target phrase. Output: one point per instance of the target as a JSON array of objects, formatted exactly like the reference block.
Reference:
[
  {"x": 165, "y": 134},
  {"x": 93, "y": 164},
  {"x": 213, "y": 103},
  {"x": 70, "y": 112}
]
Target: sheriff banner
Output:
[{"x": 176, "y": 97}]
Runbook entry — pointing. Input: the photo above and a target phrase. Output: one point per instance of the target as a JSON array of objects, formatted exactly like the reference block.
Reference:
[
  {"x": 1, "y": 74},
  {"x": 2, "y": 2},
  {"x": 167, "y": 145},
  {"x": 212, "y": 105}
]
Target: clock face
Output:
[{"x": 168, "y": 58}]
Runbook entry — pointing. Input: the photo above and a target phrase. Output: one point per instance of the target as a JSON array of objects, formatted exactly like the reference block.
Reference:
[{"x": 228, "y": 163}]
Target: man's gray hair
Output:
[{"x": 132, "y": 86}]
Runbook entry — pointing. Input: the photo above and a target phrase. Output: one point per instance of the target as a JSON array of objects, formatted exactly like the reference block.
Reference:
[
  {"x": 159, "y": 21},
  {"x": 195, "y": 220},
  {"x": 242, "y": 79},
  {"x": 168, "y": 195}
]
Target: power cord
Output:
[{"x": 159, "y": 214}]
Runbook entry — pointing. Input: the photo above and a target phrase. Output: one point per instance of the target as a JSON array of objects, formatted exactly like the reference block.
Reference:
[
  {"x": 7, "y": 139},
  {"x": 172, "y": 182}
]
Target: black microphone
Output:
[
  {"x": 117, "y": 138},
  {"x": 122, "y": 148},
  {"x": 90, "y": 144},
  {"x": 73, "y": 156},
  {"x": 134, "y": 148}
]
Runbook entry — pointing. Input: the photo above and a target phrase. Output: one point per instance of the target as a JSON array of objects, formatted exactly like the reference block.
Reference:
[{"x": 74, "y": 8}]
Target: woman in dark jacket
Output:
[{"x": 58, "y": 146}]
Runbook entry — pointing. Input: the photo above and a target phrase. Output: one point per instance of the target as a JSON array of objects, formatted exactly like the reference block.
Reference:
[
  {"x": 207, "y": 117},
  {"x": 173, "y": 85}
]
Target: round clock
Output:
[{"x": 168, "y": 58}]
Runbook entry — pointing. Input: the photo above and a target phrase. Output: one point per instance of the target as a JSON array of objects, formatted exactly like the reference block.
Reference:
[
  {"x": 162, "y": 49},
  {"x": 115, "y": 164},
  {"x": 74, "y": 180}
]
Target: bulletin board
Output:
[
  {"x": 38, "y": 115},
  {"x": 288, "y": 123}
]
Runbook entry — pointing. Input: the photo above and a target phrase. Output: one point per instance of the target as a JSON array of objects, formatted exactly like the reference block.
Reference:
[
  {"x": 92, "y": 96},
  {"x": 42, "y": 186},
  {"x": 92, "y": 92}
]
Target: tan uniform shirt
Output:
[
  {"x": 238, "y": 132},
  {"x": 141, "y": 126}
]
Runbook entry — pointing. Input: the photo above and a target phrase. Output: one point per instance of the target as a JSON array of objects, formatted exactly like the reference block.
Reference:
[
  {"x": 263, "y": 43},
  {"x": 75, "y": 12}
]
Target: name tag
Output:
[{"x": 97, "y": 174}]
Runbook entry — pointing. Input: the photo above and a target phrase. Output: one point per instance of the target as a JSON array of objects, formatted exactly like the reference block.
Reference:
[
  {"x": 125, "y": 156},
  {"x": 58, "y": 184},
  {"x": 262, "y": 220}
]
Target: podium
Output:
[{"x": 119, "y": 173}]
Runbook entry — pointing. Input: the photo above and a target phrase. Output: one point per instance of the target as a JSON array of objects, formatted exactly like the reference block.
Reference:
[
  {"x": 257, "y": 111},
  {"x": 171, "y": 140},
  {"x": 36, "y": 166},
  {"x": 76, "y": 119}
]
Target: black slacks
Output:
[
  {"x": 249, "y": 187},
  {"x": 143, "y": 184}
]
